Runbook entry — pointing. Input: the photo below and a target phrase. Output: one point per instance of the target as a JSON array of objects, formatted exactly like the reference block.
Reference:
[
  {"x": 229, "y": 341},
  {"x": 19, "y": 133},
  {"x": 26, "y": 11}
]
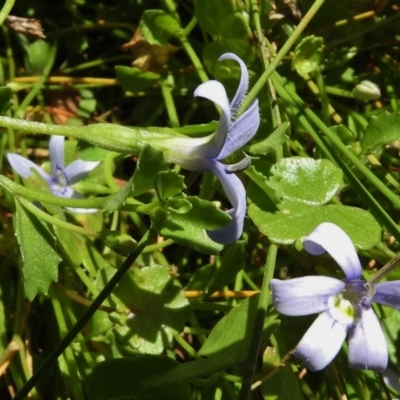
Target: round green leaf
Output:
[
  {"x": 296, "y": 220},
  {"x": 158, "y": 27},
  {"x": 306, "y": 180},
  {"x": 380, "y": 131},
  {"x": 308, "y": 55}
]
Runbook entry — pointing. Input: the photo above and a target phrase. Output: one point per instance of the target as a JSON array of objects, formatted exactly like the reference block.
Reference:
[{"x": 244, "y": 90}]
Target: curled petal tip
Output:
[{"x": 328, "y": 237}]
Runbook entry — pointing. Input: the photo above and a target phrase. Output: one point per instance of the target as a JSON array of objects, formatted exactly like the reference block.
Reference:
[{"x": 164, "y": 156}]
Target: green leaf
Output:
[
  {"x": 189, "y": 228},
  {"x": 123, "y": 379},
  {"x": 239, "y": 323},
  {"x": 40, "y": 260},
  {"x": 228, "y": 344},
  {"x": 221, "y": 18},
  {"x": 168, "y": 184},
  {"x": 308, "y": 55},
  {"x": 296, "y": 220},
  {"x": 380, "y": 131},
  {"x": 157, "y": 26},
  {"x": 38, "y": 56},
  {"x": 179, "y": 205},
  {"x": 283, "y": 385},
  {"x": 156, "y": 307},
  {"x": 306, "y": 180},
  {"x": 232, "y": 262},
  {"x": 5, "y": 100},
  {"x": 120, "y": 242},
  {"x": 271, "y": 143},
  {"x": 135, "y": 80},
  {"x": 149, "y": 164},
  {"x": 115, "y": 201}
]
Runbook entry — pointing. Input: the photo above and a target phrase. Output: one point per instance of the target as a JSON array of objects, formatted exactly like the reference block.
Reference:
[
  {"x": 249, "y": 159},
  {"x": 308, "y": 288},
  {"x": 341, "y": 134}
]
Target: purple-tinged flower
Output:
[
  {"x": 61, "y": 177},
  {"x": 205, "y": 154},
  {"x": 345, "y": 306}
]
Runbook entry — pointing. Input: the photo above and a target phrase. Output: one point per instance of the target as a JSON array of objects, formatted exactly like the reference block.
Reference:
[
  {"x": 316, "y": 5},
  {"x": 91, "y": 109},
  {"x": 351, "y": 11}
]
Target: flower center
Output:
[
  {"x": 345, "y": 307},
  {"x": 59, "y": 182}
]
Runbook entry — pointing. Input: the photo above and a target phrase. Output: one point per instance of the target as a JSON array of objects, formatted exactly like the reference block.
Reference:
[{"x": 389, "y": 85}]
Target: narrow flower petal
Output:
[
  {"x": 56, "y": 154},
  {"x": 388, "y": 293},
  {"x": 244, "y": 80},
  {"x": 23, "y": 166},
  {"x": 236, "y": 194},
  {"x": 321, "y": 342},
  {"x": 78, "y": 169},
  {"x": 215, "y": 91},
  {"x": 241, "y": 131},
  {"x": 367, "y": 344},
  {"x": 304, "y": 296},
  {"x": 332, "y": 239}
]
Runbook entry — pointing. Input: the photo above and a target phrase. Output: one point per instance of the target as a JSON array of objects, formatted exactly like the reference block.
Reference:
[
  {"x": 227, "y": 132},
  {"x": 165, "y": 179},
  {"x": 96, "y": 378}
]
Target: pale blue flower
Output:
[
  {"x": 205, "y": 153},
  {"x": 61, "y": 177},
  {"x": 345, "y": 306}
]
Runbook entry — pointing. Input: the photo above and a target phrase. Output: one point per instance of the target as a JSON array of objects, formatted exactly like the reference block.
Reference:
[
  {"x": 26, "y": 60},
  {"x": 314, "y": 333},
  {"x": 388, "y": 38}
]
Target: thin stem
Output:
[
  {"x": 55, "y": 221},
  {"x": 70, "y": 336},
  {"x": 279, "y": 57},
  {"x": 259, "y": 323}
]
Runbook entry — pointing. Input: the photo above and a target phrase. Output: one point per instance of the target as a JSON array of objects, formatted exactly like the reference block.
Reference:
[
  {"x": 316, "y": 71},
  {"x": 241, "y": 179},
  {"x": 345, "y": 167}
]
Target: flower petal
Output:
[
  {"x": 388, "y": 293},
  {"x": 367, "y": 344},
  {"x": 244, "y": 80},
  {"x": 236, "y": 194},
  {"x": 23, "y": 166},
  {"x": 332, "y": 239},
  {"x": 241, "y": 131},
  {"x": 321, "y": 342},
  {"x": 304, "y": 296},
  {"x": 215, "y": 91},
  {"x": 78, "y": 169},
  {"x": 56, "y": 151}
]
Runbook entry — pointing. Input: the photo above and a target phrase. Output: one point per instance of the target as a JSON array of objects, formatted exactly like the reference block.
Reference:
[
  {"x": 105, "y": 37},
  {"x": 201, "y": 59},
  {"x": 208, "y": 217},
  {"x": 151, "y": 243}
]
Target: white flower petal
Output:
[
  {"x": 215, "y": 91},
  {"x": 328, "y": 237},
  {"x": 367, "y": 344},
  {"x": 23, "y": 166},
  {"x": 56, "y": 154},
  {"x": 321, "y": 342},
  {"x": 78, "y": 169},
  {"x": 304, "y": 296},
  {"x": 244, "y": 80}
]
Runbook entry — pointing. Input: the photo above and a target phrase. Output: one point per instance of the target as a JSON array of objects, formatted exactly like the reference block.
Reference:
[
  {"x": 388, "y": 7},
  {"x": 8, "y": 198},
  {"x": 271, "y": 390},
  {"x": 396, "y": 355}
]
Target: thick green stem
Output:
[{"x": 8, "y": 5}]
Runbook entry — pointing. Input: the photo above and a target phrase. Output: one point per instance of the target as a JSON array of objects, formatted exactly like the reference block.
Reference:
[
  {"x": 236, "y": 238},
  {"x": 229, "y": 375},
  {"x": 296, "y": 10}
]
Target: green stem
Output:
[
  {"x": 8, "y": 5},
  {"x": 39, "y": 84},
  {"x": 336, "y": 142},
  {"x": 55, "y": 221},
  {"x": 70, "y": 336},
  {"x": 279, "y": 57},
  {"x": 30, "y": 194},
  {"x": 169, "y": 103},
  {"x": 259, "y": 323}
]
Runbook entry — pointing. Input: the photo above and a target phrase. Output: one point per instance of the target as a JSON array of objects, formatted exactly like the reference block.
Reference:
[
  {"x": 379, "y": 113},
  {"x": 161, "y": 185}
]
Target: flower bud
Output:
[{"x": 367, "y": 90}]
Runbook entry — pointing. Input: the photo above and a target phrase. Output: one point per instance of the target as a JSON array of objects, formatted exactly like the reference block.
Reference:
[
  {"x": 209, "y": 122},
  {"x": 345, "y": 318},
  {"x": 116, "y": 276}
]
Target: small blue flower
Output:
[
  {"x": 204, "y": 154},
  {"x": 61, "y": 177},
  {"x": 345, "y": 306}
]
